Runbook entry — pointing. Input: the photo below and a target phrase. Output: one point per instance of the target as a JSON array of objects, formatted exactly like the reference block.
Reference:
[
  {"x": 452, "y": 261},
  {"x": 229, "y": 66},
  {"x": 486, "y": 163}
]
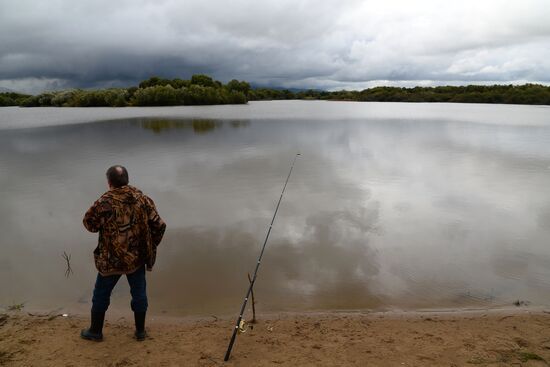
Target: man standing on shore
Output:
[{"x": 130, "y": 230}]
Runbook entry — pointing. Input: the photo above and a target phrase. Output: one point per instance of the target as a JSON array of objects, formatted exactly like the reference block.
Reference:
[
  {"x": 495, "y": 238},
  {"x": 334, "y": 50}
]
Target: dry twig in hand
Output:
[{"x": 67, "y": 258}]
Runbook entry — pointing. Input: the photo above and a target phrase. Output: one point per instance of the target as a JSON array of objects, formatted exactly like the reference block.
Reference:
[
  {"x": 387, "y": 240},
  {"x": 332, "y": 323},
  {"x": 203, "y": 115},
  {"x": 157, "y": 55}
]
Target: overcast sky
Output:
[{"x": 297, "y": 44}]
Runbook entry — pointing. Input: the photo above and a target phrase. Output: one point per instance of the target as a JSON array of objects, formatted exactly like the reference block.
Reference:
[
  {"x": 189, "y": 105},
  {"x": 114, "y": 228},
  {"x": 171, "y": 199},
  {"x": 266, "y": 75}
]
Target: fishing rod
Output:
[{"x": 239, "y": 319}]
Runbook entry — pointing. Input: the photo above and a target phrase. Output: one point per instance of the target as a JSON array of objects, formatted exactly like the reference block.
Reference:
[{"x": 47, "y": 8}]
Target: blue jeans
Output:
[{"x": 104, "y": 286}]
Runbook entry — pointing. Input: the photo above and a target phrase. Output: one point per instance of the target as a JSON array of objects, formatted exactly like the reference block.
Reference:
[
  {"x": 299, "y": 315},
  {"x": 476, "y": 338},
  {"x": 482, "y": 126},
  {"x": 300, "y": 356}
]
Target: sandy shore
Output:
[{"x": 514, "y": 337}]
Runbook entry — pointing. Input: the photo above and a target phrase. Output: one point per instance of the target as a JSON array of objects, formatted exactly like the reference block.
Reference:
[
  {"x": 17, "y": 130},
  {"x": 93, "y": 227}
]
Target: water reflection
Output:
[
  {"x": 378, "y": 213},
  {"x": 328, "y": 266},
  {"x": 199, "y": 126}
]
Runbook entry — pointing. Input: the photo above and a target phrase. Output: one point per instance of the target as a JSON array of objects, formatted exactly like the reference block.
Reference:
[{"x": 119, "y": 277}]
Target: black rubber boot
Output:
[
  {"x": 95, "y": 332},
  {"x": 139, "y": 318}
]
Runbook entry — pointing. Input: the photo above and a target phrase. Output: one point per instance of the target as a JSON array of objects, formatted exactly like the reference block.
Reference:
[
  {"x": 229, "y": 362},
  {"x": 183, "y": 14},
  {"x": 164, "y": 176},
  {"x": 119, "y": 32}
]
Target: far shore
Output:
[{"x": 486, "y": 337}]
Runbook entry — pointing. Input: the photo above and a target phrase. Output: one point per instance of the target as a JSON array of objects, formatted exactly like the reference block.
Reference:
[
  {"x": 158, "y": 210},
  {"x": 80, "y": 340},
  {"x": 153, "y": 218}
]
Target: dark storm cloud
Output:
[{"x": 327, "y": 44}]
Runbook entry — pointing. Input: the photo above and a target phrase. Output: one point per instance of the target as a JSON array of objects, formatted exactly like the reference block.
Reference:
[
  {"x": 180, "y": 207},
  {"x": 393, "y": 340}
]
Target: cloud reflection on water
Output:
[{"x": 329, "y": 266}]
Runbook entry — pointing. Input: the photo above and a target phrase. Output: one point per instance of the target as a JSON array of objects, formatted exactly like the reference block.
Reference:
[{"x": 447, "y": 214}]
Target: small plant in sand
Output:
[
  {"x": 16, "y": 307},
  {"x": 528, "y": 356}
]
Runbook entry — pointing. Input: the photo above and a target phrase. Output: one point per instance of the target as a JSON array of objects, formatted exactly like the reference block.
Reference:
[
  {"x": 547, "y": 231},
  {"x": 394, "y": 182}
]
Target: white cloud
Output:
[
  {"x": 322, "y": 44},
  {"x": 32, "y": 84}
]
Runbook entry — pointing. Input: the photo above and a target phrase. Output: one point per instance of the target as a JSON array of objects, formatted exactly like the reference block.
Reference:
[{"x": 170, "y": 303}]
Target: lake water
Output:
[{"x": 390, "y": 205}]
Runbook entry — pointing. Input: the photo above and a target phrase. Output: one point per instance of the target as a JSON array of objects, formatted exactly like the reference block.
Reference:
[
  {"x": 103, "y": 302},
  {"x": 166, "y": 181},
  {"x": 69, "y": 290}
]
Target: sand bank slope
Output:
[{"x": 483, "y": 338}]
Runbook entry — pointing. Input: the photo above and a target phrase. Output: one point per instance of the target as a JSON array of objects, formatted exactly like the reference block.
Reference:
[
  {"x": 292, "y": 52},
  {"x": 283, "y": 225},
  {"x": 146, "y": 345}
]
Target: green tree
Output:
[
  {"x": 158, "y": 96},
  {"x": 203, "y": 80},
  {"x": 238, "y": 86}
]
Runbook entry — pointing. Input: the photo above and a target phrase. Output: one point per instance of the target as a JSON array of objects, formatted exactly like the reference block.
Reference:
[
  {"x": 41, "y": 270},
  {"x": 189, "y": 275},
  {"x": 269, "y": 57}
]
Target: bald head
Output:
[{"x": 117, "y": 176}]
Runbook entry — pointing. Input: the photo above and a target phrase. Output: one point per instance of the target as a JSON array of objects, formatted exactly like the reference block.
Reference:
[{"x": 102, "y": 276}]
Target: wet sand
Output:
[{"x": 511, "y": 337}]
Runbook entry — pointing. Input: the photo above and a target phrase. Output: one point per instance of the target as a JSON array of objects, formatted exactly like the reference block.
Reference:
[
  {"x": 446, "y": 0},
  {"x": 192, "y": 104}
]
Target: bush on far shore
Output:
[
  {"x": 193, "y": 95},
  {"x": 12, "y": 99}
]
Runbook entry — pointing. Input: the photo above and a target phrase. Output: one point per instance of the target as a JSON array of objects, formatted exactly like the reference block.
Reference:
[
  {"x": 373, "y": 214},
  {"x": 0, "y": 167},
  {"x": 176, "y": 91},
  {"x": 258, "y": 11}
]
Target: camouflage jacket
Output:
[{"x": 130, "y": 230}]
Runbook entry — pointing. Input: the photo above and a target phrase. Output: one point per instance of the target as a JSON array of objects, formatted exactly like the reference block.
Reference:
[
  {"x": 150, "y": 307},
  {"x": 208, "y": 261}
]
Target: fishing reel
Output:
[{"x": 243, "y": 326}]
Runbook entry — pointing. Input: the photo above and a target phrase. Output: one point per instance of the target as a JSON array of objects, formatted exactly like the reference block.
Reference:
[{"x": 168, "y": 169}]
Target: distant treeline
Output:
[
  {"x": 203, "y": 90},
  {"x": 534, "y": 94},
  {"x": 199, "y": 90}
]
